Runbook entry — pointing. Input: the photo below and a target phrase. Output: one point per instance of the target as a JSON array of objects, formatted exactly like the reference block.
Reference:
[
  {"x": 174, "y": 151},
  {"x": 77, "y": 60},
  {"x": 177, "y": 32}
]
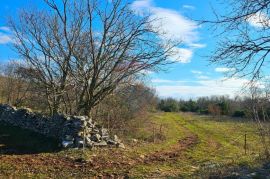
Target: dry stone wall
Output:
[{"x": 72, "y": 131}]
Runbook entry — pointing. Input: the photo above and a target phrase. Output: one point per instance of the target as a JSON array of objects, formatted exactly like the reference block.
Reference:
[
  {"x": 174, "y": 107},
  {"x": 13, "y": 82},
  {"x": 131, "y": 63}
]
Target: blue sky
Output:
[{"x": 190, "y": 77}]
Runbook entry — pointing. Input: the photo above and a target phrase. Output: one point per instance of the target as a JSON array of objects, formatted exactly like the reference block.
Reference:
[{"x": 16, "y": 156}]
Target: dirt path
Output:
[
  {"x": 175, "y": 152},
  {"x": 105, "y": 162},
  {"x": 56, "y": 165}
]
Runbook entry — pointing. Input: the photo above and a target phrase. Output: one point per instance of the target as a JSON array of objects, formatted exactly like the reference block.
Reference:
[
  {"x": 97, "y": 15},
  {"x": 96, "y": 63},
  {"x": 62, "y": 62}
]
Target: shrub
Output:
[
  {"x": 168, "y": 105},
  {"x": 203, "y": 111},
  {"x": 239, "y": 113}
]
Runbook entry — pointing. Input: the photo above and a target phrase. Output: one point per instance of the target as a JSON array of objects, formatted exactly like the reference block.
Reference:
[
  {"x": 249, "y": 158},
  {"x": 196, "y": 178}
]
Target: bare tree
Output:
[
  {"x": 243, "y": 31},
  {"x": 126, "y": 108},
  {"x": 244, "y": 47},
  {"x": 81, "y": 51},
  {"x": 14, "y": 89},
  {"x": 258, "y": 107}
]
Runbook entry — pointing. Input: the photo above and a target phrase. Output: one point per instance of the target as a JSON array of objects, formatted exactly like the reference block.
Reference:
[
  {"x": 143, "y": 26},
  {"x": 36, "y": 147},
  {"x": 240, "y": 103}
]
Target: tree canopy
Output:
[{"x": 79, "y": 52}]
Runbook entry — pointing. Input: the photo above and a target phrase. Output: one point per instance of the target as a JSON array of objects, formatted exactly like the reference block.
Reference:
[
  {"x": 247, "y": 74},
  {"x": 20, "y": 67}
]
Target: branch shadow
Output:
[
  {"x": 261, "y": 171},
  {"x": 14, "y": 140}
]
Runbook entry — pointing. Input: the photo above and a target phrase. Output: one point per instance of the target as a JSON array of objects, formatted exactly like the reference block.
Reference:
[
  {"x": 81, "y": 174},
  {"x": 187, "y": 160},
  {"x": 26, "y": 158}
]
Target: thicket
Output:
[
  {"x": 214, "y": 105},
  {"x": 123, "y": 109}
]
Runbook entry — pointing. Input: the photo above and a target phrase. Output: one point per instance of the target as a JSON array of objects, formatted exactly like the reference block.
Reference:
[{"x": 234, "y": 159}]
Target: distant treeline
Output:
[
  {"x": 214, "y": 105},
  {"x": 129, "y": 103}
]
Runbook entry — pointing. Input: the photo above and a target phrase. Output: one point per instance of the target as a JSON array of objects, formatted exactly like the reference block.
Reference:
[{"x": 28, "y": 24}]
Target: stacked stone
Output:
[
  {"x": 87, "y": 134},
  {"x": 72, "y": 131}
]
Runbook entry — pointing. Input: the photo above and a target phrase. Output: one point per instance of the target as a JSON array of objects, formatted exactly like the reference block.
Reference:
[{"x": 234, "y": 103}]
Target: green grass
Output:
[
  {"x": 170, "y": 129},
  {"x": 219, "y": 146},
  {"x": 221, "y": 143}
]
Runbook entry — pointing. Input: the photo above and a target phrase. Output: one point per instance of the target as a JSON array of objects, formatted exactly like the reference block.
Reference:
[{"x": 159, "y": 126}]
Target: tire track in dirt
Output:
[
  {"x": 98, "y": 164},
  {"x": 37, "y": 162},
  {"x": 175, "y": 152}
]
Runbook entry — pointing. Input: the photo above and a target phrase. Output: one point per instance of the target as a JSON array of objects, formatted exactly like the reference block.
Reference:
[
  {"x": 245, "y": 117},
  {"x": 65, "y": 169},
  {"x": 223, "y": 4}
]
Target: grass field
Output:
[{"x": 180, "y": 145}]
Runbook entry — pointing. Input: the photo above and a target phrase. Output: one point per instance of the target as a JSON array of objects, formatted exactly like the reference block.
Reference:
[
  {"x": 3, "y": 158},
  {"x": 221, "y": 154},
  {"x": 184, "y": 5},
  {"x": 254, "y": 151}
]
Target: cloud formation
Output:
[
  {"x": 186, "y": 6},
  {"x": 223, "y": 69},
  {"x": 260, "y": 19},
  {"x": 202, "y": 87},
  {"x": 5, "y": 29},
  {"x": 5, "y": 39},
  {"x": 196, "y": 72},
  {"x": 5, "y": 35},
  {"x": 182, "y": 55},
  {"x": 174, "y": 25}
]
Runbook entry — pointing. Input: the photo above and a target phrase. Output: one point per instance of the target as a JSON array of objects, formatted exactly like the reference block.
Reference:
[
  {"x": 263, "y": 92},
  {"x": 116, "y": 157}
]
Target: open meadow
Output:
[
  {"x": 181, "y": 145},
  {"x": 135, "y": 89}
]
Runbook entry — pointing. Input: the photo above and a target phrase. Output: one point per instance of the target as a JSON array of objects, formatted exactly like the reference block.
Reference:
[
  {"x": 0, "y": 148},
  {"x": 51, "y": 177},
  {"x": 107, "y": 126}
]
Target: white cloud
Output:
[
  {"x": 197, "y": 45},
  {"x": 260, "y": 19},
  {"x": 196, "y": 72},
  {"x": 5, "y": 39},
  {"x": 157, "y": 80},
  {"x": 223, "y": 69},
  {"x": 188, "y": 7},
  {"x": 6, "y": 35},
  {"x": 174, "y": 25},
  {"x": 182, "y": 55},
  {"x": 5, "y": 28},
  {"x": 140, "y": 6},
  {"x": 164, "y": 81},
  {"x": 203, "y": 77},
  {"x": 202, "y": 88},
  {"x": 146, "y": 72}
]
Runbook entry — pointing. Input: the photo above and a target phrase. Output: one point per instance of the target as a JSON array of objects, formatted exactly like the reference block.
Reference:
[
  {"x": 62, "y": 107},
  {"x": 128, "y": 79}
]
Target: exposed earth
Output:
[{"x": 188, "y": 146}]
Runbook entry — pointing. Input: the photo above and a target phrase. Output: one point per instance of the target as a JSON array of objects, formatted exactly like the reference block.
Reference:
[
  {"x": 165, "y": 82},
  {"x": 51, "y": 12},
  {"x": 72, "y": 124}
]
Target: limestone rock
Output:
[
  {"x": 71, "y": 131},
  {"x": 134, "y": 140},
  {"x": 67, "y": 144},
  {"x": 121, "y": 145},
  {"x": 100, "y": 144},
  {"x": 69, "y": 138},
  {"x": 111, "y": 142},
  {"x": 96, "y": 137},
  {"x": 116, "y": 139},
  {"x": 79, "y": 142}
]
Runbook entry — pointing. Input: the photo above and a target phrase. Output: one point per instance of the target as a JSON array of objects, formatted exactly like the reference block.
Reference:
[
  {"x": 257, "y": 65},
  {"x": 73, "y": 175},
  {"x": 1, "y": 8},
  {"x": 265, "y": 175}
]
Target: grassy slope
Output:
[
  {"x": 221, "y": 144},
  {"x": 215, "y": 144}
]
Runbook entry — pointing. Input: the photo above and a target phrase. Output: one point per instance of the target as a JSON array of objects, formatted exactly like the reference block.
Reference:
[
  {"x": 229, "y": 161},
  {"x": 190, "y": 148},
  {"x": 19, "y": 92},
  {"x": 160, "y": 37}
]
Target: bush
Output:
[
  {"x": 168, "y": 105},
  {"x": 203, "y": 111},
  {"x": 239, "y": 113},
  {"x": 184, "y": 109}
]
